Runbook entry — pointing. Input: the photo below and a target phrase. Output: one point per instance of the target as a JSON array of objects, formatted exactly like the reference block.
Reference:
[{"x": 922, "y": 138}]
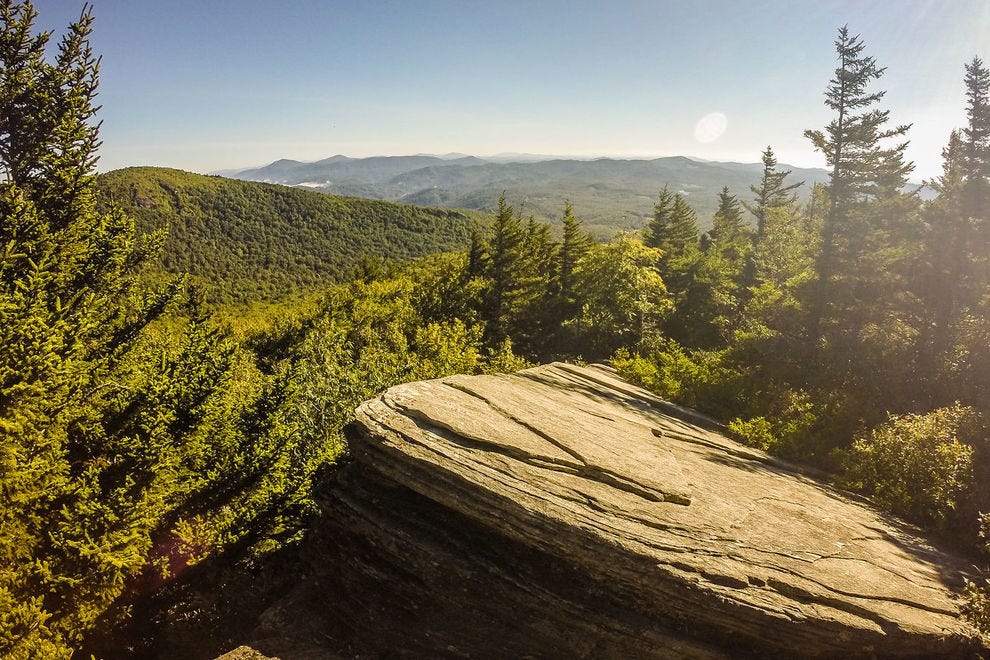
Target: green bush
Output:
[
  {"x": 916, "y": 466},
  {"x": 976, "y": 605},
  {"x": 756, "y": 432}
]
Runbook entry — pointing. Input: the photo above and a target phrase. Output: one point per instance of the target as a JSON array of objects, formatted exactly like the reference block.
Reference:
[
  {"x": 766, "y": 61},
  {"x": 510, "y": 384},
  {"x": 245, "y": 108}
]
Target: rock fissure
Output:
[{"x": 584, "y": 468}]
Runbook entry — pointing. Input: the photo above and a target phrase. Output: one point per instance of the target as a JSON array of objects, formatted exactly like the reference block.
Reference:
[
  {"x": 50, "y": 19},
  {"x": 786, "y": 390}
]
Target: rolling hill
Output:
[
  {"x": 253, "y": 241},
  {"x": 607, "y": 194}
]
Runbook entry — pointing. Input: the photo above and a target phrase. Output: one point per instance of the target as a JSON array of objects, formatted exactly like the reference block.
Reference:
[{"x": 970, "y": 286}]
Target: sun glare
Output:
[{"x": 710, "y": 127}]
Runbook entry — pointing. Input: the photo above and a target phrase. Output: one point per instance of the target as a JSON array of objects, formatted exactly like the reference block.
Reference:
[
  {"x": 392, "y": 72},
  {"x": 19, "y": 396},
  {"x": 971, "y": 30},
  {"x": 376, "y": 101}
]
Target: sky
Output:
[{"x": 205, "y": 85}]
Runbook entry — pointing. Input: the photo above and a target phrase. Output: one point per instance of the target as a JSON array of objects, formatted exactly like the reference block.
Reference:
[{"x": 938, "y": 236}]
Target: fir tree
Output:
[
  {"x": 82, "y": 495},
  {"x": 122, "y": 433},
  {"x": 976, "y": 135},
  {"x": 976, "y": 142},
  {"x": 674, "y": 230},
  {"x": 944, "y": 273}
]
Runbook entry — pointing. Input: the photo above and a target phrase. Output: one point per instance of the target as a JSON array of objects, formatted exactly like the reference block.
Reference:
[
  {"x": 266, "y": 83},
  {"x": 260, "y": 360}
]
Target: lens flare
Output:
[{"x": 710, "y": 127}]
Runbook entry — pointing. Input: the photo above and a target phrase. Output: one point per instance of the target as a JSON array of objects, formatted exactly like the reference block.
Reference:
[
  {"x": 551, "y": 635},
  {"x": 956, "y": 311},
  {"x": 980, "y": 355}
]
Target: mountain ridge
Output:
[{"x": 608, "y": 194}]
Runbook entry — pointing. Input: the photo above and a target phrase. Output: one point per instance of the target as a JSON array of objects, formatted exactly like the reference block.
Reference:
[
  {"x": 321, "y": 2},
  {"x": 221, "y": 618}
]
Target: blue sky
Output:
[{"x": 209, "y": 84}]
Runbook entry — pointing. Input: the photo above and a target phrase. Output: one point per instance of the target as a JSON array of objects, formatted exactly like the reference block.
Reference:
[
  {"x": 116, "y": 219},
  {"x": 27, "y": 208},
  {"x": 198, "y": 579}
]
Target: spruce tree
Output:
[
  {"x": 506, "y": 270},
  {"x": 81, "y": 494},
  {"x": 729, "y": 236},
  {"x": 771, "y": 193},
  {"x": 658, "y": 226},
  {"x": 976, "y": 142},
  {"x": 575, "y": 245},
  {"x": 477, "y": 253},
  {"x": 674, "y": 228},
  {"x": 714, "y": 294},
  {"x": 865, "y": 169},
  {"x": 944, "y": 274},
  {"x": 976, "y": 136},
  {"x": 973, "y": 290}
]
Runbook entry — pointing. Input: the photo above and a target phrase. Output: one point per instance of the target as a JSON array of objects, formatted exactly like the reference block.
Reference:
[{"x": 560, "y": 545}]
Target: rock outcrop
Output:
[{"x": 561, "y": 512}]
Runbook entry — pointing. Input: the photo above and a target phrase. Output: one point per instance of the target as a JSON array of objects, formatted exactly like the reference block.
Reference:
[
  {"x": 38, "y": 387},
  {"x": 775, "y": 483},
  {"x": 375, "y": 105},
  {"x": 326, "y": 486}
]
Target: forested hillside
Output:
[{"x": 248, "y": 241}]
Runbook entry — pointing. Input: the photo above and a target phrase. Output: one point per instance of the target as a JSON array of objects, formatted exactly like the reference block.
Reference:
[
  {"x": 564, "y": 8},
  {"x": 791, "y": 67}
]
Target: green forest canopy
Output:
[{"x": 255, "y": 241}]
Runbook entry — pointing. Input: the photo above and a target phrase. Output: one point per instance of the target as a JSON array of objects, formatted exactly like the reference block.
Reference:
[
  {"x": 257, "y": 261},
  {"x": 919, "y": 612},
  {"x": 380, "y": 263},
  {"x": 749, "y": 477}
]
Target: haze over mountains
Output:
[{"x": 607, "y": 194}]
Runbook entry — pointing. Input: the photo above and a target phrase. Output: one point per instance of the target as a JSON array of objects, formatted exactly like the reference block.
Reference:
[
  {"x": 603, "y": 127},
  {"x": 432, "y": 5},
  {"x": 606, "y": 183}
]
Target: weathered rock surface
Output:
[{"x": 561, "y": 512}]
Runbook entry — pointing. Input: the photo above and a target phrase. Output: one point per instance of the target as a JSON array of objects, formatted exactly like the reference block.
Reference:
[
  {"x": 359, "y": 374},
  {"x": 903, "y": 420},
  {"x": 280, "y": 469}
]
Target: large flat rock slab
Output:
[{"x": 561, "y": 512}]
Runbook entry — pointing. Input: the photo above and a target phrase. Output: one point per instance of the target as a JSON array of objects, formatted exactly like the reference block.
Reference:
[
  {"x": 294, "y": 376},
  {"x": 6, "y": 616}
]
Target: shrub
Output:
[{"x": 915, "y": 466}]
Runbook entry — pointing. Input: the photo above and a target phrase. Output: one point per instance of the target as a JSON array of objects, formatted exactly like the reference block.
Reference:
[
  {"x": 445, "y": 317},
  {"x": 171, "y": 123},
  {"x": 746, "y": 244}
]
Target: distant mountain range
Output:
[{"x": 607, "y": 194}]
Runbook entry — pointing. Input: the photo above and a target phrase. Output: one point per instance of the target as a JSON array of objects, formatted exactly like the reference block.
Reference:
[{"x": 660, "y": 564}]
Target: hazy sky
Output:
[{"x": 209, "y": 84}]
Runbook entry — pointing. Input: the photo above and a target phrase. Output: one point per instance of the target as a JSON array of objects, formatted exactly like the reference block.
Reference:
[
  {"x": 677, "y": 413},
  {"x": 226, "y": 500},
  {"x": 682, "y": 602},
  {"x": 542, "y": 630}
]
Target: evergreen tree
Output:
[
  {"x": 976, "y": 163},
  {"x": 944, "y": 272},
  {"x": 82, "y": 495},
  {"x": 126, "y": 446},
  {"x": 674, "y": 231},
  {"x": 674, "y": 227},
  {"x": 973, "y": 289},
  {"x": 658, "y": 226},
  {"x": 541, "y": 250},
  {"x": 864, "y": 170},
  {"x": 771, "y": 193},
  {"x": 536, "y": 317},
  {"x": 714, "y": 295},
  {"x": 977, "y": 137},
  {"x": 507, "y": 271},
  {"x": 575, "y": 245},
  {"x": 729, "y": 236},
  {"x": 477, "y": 253},
  {"x": 679, "y": 245}
]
